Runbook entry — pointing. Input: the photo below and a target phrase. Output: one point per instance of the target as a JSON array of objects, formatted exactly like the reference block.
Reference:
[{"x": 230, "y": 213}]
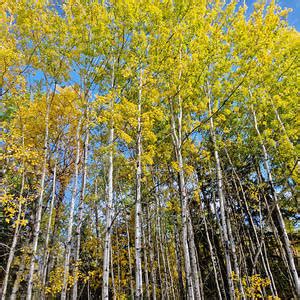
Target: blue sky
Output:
[{"x": 294, "y": 16}]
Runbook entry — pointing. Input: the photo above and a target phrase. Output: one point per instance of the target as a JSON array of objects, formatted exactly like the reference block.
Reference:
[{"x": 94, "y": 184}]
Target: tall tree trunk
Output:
[
  {"x": 235, "y": 259},
  {"x": 96, "y": 212},
  {"x": 184, "y": 200},
  {"x": 118, "y": 264},
  {"x": 109, "y": 208},
  {"x": 163, "y": 258},
  {"x": 195, "y": 268},
  {"x": 286, "y": 241},
  {"x": 151, "y": 254},
  {"x": 138, "y": 204},
  {"x": 169, "y": 267},
  {"x": 211, "y": 239},
  {"x": 129, "y": 261},
  {"x": 49, "y": 225},
  {"x": 178, "y": 260},
  {"x": 213, "y": 257},
  {"x": 222, "y": 207},
  {"x": 157, "y": 230},
  {"x": 80, "y": 213},
  {"x": 112, "y": 275},
  {"x": 15, "y": 238},
  {"x": 38, "y": 217},
  {"x": 176, "y": 132},
  {"x": 145, "y": 252},
  {"x": 17, "y": 282},
  {"x": 71, "y": 215}
]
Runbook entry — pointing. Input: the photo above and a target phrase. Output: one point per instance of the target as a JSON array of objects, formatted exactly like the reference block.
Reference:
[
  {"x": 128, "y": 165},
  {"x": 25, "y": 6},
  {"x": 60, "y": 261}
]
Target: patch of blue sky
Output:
[{"x": 294, "y": 15}]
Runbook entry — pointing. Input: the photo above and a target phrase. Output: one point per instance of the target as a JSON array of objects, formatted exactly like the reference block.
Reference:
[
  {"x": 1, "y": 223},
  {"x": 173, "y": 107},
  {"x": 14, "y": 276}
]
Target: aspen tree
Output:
[
  {"x": 40, "y": 203},
  {"x": 109, "y": 211},
  {"x": 71, "y": 213}
]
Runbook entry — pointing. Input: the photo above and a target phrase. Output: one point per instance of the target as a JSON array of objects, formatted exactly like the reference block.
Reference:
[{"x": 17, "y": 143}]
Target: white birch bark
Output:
[
  {"x": 17, "y": 282},
  {"x": 71, "y": 215},
  {"x": 129, "y": 261},
  {"x": 38, "y": 216},
  {"x": 194, "y": 265},
  {"x": 151, "y": 254},
  {"x": 146, "y": 264},
  {"x": 222, "y": 208},
  {"x": 114, "y": 297},
  {"x": 47, "y": 252},
  {"x": 108, "y": 229},
  {"x": 163, "y": 258},
  {"x": 170, "y": 272},
  {"x": 184, "y": 203},
  {"x": 138, "y": 204},
  {"x": 80, "y": 214},
  {"x": 178, "y": 259}
]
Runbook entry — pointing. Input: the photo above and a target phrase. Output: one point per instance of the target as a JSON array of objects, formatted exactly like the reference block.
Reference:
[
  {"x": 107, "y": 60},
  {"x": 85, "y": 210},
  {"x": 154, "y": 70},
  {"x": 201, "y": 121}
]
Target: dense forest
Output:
[{"x": 149, "y": 150}]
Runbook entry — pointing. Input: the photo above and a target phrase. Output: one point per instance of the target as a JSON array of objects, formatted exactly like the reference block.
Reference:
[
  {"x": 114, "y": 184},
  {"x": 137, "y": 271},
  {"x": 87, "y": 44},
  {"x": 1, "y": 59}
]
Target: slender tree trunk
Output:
[
  {"x": 15, "y": 239},
  {"x": 49, "y": 225},
  {"x": 171, "y": 278},
  {"x": 222, "y": 209},
  {"x": 194, "y": 265},
  {"x": 277, "y": 239},
  {"x": 216, "y": 245},
  {"x": 118, "y": 264},
  {"x": 151, "y": 255},
  {"x": 38, "y": 216},
  {"x": 20, "y": 276},
  {"x": 213, "y": 244},
  {"x": 71, "y": 216},
  {"x": 145, "y": 250},
  {"x": 129, "y": 261},
  {"x": 213, "y": 257},
  {"x": 163, "y": 258},
  {"x": 108, "y": 225},
  {"x": 169, "y": 268},
  {"x": 157, "y": 230},
  {"x": 88, "y": 290},
  {"x": 184, "y": 201},
  {"x": 80, "y": 214},
  {"x": 235, "y": 259},
  {"x": 17, "y": 282},
  {"x": 138, "y": 204},
  {"x": 112, "y": 275},
  {"x": 96, "y": 212},
  {"x": 286, "y": 241},
  {"x": 176, "y": 132},
  {"x": 184, "y": 217},
  {"x": 178, "y": 260}
]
